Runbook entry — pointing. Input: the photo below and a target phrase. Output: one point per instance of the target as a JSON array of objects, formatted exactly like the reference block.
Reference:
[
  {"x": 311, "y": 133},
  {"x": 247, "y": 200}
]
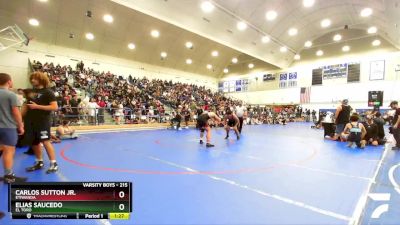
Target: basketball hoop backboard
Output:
[{"x": 12, "y": 36}]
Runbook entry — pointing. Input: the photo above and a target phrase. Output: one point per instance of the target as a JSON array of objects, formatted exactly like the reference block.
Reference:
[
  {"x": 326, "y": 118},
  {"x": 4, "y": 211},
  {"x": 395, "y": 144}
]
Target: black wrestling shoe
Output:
[
  {"x": 201, "y": 142},
  {"x": 29, "y": 152},
  {"x": 38, "y": 165},
  {"x": 238, "y": 137},
  {"x": 208, "y": 145},
  {"x": 2, "y": 215},
  {"x": 227, "y": 136},
  {"x": 53, "y": 168},
  {"x": 11, "y": 178}
]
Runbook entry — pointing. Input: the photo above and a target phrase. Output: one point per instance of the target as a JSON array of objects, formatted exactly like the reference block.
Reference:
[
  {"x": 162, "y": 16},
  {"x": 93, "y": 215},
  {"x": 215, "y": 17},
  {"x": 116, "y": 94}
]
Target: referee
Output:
[
  {"x": 240, "y": 112},
  {"x": 37, "y": 111}
]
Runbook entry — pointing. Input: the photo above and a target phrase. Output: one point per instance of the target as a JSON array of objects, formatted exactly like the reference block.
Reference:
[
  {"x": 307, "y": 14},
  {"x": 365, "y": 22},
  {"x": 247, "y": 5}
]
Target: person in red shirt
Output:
[
  {"x": 102, "y": 104},
  {"x": 206, "y": 107}
]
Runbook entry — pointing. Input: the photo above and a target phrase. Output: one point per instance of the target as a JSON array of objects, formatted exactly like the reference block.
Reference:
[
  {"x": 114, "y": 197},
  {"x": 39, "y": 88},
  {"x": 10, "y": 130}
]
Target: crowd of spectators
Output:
[
  {"x": 358, "y": 128},
  {"x": 86, "y": 94}
]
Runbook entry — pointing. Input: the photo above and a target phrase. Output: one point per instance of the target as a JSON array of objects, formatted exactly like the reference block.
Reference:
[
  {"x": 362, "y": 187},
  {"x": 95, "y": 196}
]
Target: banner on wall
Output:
[
  {"x": 245, "y": 85},
  {"x": 226, "y": 86},
  {"x": 334, "y": 71},
  {"x": 234, "y": 85},
  {"x": 292, "y": 79},
  {"x": 269, "y": 77},
  {"x": 238, "y": 86},
  {"x": 283, "y": 80}
]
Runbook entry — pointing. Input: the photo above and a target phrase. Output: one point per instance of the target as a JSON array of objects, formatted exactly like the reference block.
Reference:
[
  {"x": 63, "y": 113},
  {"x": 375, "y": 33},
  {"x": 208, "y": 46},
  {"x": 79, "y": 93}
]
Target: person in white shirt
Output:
[
  {"x": 119, "y": 112},
  {"x": 92, "y": 109},
  {"x": 241, "y": 113}
]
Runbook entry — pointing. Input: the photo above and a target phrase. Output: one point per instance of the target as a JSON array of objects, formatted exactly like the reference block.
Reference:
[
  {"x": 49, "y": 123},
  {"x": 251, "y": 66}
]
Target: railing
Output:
[
  {"x": 106, "y": 116},
  {"x": 102, "y": 116}
]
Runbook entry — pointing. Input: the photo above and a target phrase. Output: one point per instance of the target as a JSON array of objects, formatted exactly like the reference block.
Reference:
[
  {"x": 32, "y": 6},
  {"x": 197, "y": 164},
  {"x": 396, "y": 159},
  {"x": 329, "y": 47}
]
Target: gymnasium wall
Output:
[
  {"x": 15, "y": 62},
  {"x": 331, "y": 91}
]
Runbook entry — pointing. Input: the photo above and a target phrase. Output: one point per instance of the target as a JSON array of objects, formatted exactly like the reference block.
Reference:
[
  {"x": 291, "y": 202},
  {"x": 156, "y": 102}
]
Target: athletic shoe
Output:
[
  {"x": 29, "y": 152},
  {"x": 179, "y": 128},
  {"x": 53, "y": 168},
  {"x": 11, "y": 178},
  {"x": 238, "y": 137},
  {"x": 38, "y": 165},
  {"x": 208, "y": 145},
  {"x": 201, "y": 142},
  {"x": 395, "y": 148},
  {"x": 2, "y": 215},
  {"x": 227, "y": 136}
]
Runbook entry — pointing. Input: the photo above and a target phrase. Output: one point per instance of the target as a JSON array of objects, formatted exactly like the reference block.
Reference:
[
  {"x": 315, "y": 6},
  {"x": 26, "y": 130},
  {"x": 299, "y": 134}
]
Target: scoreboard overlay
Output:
[{"x": 70, "y": 200}]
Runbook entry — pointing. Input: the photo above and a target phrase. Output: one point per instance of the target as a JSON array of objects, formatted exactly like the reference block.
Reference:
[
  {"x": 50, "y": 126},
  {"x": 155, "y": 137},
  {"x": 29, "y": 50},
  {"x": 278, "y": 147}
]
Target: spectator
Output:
[
  {"x": 65, "y": 132},
  {"x": 74, "y": 108},
  {"x": 10, "y": 126},
  {"x": 371, "y": 137},
  {"x": 20, "y": 95},
  {"x": 396, "y": 124},
  {"x": 354, "y": 132},
  {"x": 342, "y": 116},
  {"x": 380, "y": 122},
  {"x": 119, "y": 112},
  {"x": 92, "y": 111},
  {"x": 102, "y": 104},
  {"x": 80, "y": 66}
]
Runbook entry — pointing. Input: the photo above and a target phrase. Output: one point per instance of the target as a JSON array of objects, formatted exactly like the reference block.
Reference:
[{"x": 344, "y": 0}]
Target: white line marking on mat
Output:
[
  {"x": 302, "y": 167},
  {"x": 277, "y": 197},
  {"x": 391, "y": 178},
  {"x": 328, "y": 172},
  {"x": 362, "y": 202}
]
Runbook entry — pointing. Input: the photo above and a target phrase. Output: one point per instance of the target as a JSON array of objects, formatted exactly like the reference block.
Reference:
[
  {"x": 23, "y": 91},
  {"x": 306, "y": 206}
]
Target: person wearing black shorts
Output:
[
  {"x": 396, "y": 124},
  {"x": 202, "y": 124},
  {"x": 231, "y": 122},
  {"x": 38, "y": 113},
  {"x": 176, "y": 121},
  {"x": 354, "y": 132},
  {"x": 10, "y": 122}
]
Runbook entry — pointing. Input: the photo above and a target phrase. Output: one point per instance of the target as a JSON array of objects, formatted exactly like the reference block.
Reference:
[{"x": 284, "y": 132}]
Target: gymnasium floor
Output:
[{"x": 273, "y": 175}]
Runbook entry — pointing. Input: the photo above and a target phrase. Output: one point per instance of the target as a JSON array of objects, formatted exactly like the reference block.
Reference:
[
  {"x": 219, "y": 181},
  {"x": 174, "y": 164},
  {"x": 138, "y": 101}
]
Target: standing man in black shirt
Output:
[
  {"x": 74, "y": 108},
  {"x": 38, "y": 113},
  {"x": 342, "y": 117},
  {"x": 396, "y": 124}
]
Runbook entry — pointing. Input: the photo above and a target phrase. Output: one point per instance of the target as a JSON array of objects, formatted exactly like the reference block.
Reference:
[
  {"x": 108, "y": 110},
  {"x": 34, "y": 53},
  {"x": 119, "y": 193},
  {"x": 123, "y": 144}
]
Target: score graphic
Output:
[
  {"x": 375, "y": 98},
  {"x": 71, "y": 200}
]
